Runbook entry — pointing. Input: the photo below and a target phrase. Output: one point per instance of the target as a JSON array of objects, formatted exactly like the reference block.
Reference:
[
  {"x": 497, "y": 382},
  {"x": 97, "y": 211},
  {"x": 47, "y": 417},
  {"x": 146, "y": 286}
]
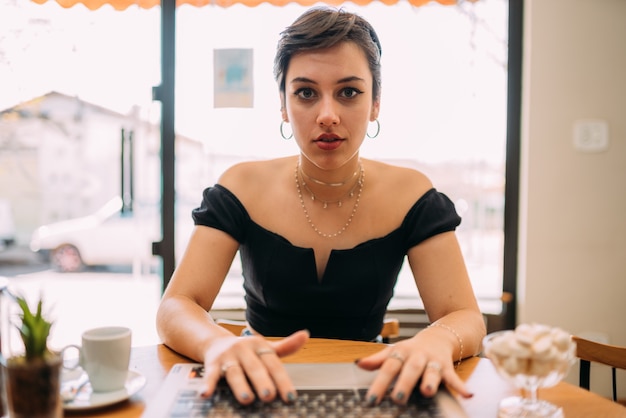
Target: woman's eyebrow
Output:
[
  {"x": 340, "y": 81},
  {"x": 350, "y": 79},
  {"x": 302, "y": 80}
]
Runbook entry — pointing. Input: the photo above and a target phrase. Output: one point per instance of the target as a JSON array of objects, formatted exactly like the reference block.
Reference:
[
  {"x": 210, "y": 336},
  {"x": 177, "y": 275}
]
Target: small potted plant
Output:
[{"x": 32, "y": 379}]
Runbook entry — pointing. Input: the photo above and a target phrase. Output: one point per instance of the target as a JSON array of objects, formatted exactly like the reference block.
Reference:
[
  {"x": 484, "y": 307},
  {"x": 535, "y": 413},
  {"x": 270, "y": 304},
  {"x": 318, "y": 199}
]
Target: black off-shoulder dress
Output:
[{"x": 282, "y": 290}]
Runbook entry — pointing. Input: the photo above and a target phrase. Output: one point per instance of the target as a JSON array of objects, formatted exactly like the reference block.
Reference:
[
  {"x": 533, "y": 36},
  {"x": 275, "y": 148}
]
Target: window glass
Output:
[
  {"x": 443, "y": 111},
  {"x": 76, "y": 109}
]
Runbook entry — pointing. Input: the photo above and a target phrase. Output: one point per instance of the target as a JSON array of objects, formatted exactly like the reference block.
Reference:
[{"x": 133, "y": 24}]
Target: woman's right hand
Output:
[{"x": 252, "y": 367}]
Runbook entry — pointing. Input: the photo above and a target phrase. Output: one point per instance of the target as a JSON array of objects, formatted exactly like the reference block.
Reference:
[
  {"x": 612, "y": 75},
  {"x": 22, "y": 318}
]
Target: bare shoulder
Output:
[
  {"x": 400, "y": 180},
  {"x": 391, "y": 192},
  {"x": 248, "y": 179}
]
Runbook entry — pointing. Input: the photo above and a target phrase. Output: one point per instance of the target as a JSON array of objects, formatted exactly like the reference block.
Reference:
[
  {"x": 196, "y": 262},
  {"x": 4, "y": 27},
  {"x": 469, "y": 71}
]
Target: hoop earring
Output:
[
  {"x": 282, "y": 132},
  {"x": 377, "y": 130}
]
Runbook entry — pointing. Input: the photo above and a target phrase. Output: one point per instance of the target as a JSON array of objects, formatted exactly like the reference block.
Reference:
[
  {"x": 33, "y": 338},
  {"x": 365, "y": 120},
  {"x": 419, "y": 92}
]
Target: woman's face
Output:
[{"x": 328, "y": 102}]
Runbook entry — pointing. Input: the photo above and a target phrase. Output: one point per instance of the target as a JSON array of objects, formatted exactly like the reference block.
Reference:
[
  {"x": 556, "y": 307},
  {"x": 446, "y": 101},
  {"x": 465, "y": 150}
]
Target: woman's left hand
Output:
[{"x": 402, "y": 365}]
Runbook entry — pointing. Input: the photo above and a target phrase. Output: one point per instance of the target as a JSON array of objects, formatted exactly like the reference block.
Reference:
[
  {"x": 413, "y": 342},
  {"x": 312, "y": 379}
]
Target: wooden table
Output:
[{"x": 154, "y": 363}]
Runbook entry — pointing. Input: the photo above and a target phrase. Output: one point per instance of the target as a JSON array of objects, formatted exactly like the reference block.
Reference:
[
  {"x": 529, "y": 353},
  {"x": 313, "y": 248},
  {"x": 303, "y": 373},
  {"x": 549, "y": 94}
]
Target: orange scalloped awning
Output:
[{"x": 146, "y": 4}]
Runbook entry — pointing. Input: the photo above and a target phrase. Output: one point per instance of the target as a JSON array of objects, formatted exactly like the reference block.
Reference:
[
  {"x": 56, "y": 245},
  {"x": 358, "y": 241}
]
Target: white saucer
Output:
[{"x": 88, "y": 399}]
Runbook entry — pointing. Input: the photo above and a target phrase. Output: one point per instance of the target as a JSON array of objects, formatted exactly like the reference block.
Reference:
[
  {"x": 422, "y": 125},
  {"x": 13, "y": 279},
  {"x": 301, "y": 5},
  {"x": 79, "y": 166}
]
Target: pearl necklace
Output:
[{"x": 360, "y": 182}]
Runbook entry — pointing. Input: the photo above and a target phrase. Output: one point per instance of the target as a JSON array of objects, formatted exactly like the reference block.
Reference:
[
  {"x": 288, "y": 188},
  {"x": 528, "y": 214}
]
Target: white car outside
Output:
[{"x": 106, "y": 237}]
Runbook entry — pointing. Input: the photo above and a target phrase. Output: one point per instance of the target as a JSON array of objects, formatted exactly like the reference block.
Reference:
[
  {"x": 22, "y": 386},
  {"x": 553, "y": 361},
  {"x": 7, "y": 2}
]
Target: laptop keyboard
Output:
[{"x": 326, "y": 403}]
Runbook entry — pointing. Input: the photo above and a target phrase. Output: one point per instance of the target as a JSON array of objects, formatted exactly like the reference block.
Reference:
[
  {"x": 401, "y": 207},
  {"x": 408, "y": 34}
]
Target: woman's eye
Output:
[
  {"x": 305, "y": 93},
  {"x": 350, "y": 92}
]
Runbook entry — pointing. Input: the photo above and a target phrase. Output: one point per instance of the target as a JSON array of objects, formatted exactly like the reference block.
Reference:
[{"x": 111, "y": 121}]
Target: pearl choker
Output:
[{"x": 323, "y": 183}]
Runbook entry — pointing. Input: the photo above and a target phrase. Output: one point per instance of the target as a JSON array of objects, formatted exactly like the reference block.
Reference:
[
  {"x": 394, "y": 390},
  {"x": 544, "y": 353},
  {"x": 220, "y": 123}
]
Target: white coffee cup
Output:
[{"x": 105, "y": 355}]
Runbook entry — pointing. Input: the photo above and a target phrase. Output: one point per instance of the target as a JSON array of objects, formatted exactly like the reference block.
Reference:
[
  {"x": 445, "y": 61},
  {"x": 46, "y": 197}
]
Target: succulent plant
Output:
[
  {"x": 34, "y": 329},
  {"x": 33, "y": 379}
]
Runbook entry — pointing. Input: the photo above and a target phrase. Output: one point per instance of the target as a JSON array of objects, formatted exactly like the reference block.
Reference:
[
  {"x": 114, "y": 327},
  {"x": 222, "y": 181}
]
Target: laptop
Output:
[{"x": 324, "y": 390}]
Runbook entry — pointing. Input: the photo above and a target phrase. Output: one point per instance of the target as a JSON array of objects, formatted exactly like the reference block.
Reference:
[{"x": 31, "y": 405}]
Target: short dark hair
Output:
[{"x": 324, "y": 27}]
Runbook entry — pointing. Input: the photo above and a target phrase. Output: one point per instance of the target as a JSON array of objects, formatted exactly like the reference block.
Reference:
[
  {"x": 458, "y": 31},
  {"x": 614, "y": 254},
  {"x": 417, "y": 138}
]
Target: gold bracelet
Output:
[{"x": 456, "y": 334}]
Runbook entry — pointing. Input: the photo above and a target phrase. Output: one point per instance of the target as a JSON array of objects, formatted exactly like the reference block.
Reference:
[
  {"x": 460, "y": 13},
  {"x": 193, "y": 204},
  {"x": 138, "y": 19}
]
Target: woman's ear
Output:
[
  {"x": 283, "y": 111},
  {"x": 375, "y": 111}
]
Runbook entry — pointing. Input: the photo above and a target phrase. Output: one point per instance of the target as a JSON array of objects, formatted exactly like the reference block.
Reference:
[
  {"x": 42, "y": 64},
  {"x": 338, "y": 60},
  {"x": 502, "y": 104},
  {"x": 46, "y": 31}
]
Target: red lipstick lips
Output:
[
  {"x": 328, "y": 142},
  {"x": 328, "y": 137}
]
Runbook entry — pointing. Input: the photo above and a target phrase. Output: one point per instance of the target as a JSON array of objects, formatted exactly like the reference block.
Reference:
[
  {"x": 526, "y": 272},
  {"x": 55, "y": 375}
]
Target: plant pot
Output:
[{"x": 32, "y": 388}]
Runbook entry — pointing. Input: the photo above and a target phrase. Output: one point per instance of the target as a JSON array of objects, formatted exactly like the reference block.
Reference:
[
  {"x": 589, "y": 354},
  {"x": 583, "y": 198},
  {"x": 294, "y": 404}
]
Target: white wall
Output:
[{"x": 573, "y": 204}]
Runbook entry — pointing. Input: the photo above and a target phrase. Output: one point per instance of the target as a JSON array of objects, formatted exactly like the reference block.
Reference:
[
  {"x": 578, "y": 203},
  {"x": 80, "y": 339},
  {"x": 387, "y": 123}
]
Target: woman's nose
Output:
[{"x": 328, "y": 113}]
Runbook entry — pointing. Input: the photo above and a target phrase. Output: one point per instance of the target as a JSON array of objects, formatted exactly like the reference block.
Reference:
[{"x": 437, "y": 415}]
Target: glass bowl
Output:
[{"x": 531, "y": 357}]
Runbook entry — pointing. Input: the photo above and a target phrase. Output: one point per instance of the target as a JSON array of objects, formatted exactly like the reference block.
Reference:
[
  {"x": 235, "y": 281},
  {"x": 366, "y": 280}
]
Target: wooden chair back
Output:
[{"x": 591, "y": 351}]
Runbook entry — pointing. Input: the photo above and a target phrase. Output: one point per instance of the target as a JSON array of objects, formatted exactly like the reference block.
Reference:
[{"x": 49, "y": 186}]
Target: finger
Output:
[
  {"x": 266, "y": 372},
  {"x": 283, "y": 348},
  {"x": 431, "y": 378},
  {"x": 278, "y": 374},
  {"x": 212, "y": 375},
  {"x": 374, "y": 361},
  {"x": 236, "y": 378},
  {"x": 405, "y": 383},
  {"x": 290, "y": 344},
  {"x": 259, "y": 377},
  {"x": 386, "y": 375},
  {"x": 455, "y": 383}
]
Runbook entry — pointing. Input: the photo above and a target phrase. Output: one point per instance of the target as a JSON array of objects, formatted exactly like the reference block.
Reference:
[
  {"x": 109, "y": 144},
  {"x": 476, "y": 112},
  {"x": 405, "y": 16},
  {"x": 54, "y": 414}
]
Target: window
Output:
[
  {"x": 443, "y": 109},
  {"x": 72, "y": 88}
]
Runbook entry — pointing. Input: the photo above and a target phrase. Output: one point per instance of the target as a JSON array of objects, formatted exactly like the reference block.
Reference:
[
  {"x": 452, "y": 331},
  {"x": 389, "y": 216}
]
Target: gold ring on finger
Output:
[
  {"x": 227, "y": 365},
  {"x": 397, "y": 356},
  {"x": 434, "y": 365},
  {"x": 263, "y": 351}
]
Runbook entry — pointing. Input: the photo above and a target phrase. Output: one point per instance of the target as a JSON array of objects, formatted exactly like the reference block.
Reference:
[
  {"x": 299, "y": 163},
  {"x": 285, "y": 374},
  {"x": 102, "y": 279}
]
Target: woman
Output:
[{"x": 322, "y": 236}]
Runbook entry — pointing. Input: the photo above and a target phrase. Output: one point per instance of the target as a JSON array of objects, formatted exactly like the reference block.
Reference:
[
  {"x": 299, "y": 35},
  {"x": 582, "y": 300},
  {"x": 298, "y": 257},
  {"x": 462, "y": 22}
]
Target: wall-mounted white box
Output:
[{"x": 591, "y": 135}]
